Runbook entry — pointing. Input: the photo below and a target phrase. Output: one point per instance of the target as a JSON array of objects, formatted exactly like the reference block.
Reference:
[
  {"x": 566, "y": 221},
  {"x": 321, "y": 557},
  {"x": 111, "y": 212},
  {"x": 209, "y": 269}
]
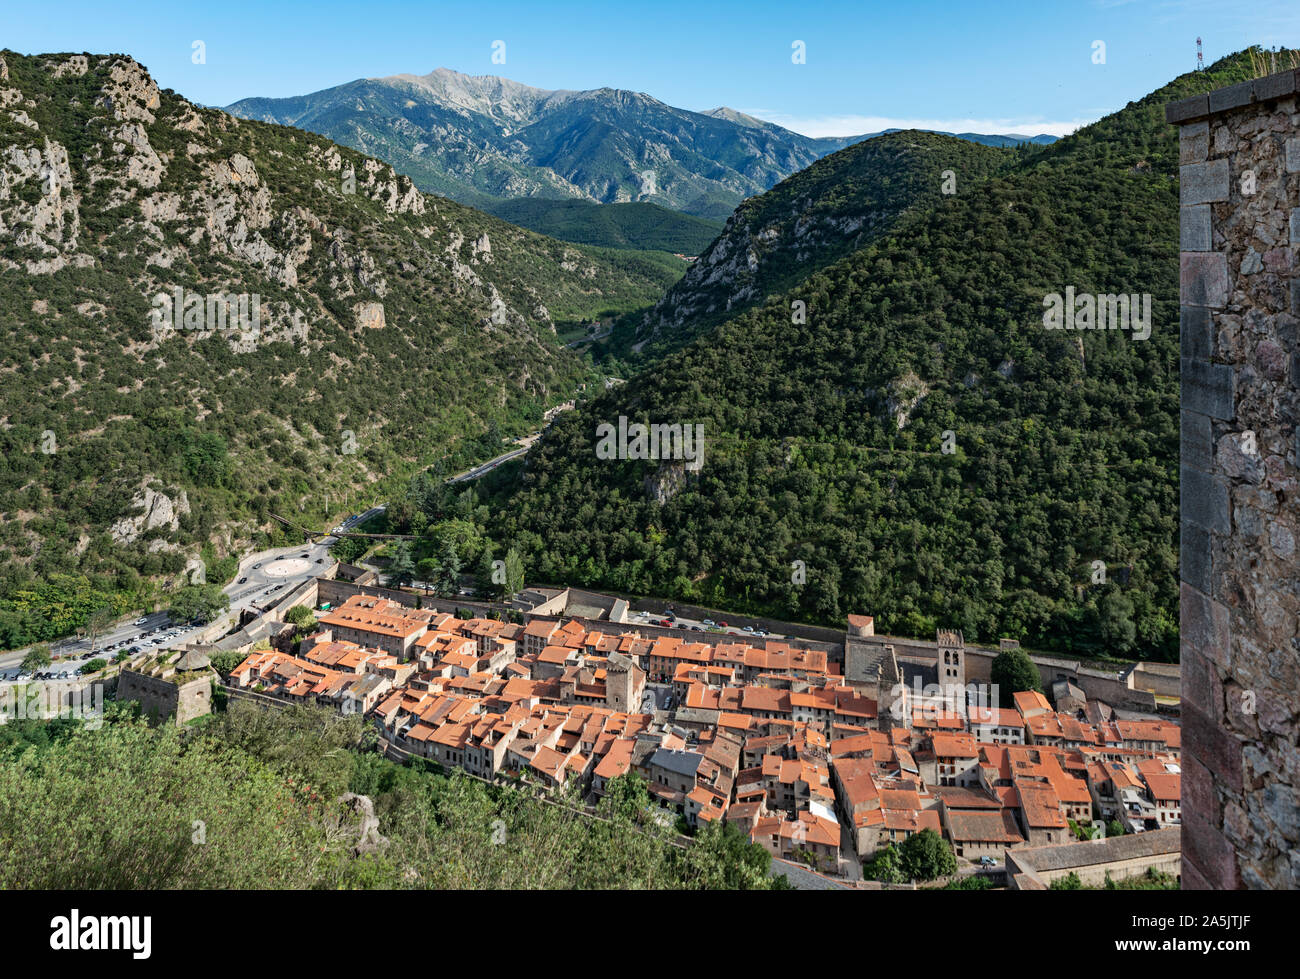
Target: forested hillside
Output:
[
  {"x": 807, "y": 222},
  {"x": 393, "y": 329},
  {"x": 917, "y": 439}
]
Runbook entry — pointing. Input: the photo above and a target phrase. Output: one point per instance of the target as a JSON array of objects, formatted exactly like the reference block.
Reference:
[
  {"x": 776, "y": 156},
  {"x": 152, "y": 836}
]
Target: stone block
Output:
[
  {"x": 1203, "y": 183},
  {"x": 1201, "y": 685},
  {"x": 1194, "y": 555},
  {"x": 1208, "y": 389},
  {"x": 1203, "y": 279},
  {"x": 1194, "y": 228},
  {"x": 1276, "y": 86},
  {"x": 1190, "y": 878},
  {"x": 1189, "y": 108},
  {"x": 1196, "y": 332},
  {"x": 1204, "y": 626},
  {"x": 1204, "y": 501},
  {"x": 1205, "y": 741},
  {"x": 1208, "y": 851},
  {"x": 1194, "y": 143},
  {"x": 1198, "y": 794},
  {"x": 1232, "y": 96}
]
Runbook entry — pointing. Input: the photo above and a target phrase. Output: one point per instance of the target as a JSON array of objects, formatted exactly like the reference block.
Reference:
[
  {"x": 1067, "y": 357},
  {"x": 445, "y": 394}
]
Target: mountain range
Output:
[{"x": 484, "y": 139}]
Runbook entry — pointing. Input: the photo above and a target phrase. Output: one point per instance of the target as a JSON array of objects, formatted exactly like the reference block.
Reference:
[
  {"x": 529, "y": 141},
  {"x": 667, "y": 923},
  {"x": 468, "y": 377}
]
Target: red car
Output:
[
  {"x": 665, "y": 623},
  {"x": 722, "y": 625}
]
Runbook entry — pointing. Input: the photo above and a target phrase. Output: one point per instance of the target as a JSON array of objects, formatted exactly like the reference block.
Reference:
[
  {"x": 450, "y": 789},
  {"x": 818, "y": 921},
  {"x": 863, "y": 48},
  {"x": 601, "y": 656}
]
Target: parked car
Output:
[
  {"x": 722, "y": 625},
  {"x": 665, "y": 623},
  {"x": 709, "y": 622},
  {"x": 988, "y": 862},
  {"x": 242, "y": 580},
  {"x": 749, "y": 628}
]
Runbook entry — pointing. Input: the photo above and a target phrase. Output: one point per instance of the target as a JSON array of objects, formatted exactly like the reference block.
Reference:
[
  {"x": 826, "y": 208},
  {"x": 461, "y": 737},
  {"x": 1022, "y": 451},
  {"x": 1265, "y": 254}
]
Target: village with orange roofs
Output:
[{"x": 824, "y": 749}]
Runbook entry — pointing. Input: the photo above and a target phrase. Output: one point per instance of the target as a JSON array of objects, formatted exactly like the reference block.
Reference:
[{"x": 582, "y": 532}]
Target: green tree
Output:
[
  {"x": 722, "y": 857},
  {"x": 926, "y": 855},
  {"x": 427, "y": 568},
  {"x": 447, "y": 582},
  {"x": 887, "y": 867},
  {"x": 99, "y": 622},
  {"x": 401, "y": 565},
  {"x": 485, "y": 572},
  {"x": 298, "y": 615},
  {"x": 37, "y": 658},
  {"x": 514, "y": 572},
  {"x": 201, "y": 602},
  {"x": 1012, "y": 672},
  {"x": 1115, "y": 622}
]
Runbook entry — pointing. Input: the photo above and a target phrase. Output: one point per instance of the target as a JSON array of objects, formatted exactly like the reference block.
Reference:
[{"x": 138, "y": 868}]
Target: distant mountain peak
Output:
[{"x": 738, "y": 117}]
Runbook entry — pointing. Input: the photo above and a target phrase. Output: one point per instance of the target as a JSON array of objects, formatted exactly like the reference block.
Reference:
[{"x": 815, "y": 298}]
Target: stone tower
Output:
[
  {"x": 952, "y": 659},
  {"x": 1239, "y": 231}
]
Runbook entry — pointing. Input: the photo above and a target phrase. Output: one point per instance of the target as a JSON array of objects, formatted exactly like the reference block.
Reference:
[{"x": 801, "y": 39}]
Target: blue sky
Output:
[{"x": 997, "y": 66}]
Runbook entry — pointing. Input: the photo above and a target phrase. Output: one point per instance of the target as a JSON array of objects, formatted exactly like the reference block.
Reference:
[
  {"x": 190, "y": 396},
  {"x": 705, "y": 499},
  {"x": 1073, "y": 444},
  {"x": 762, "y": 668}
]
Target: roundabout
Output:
[{"x": 287, "y": 568}]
